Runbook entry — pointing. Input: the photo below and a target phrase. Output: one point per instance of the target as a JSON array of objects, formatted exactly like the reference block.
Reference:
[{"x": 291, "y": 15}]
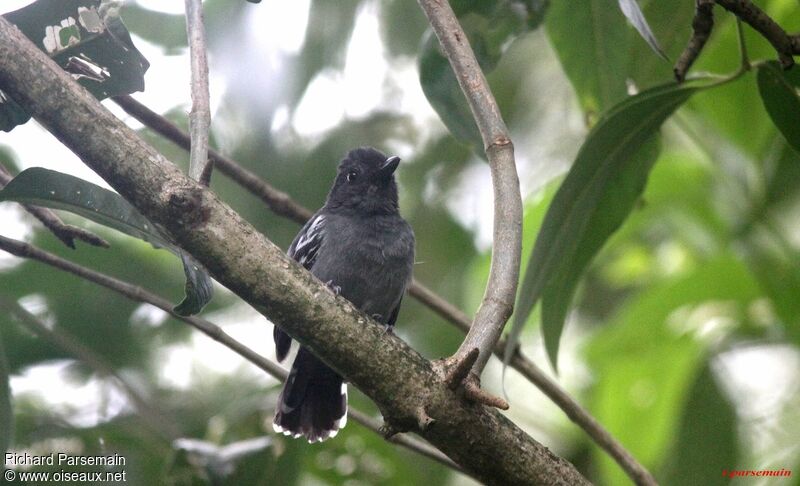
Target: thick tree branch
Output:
[
  {"x": 501, "y": 289},
  {"x": 397, "y": 378},
  {"x": 64, "y": 232},
  {"x": 138, "y": 294},
  {"x": 200, "y": 117},
  {"x": 283, "y": 205}
]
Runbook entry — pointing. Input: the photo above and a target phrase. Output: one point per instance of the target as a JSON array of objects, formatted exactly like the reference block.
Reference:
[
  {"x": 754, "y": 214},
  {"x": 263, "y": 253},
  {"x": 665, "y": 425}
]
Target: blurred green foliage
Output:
[{"x": 706, "y": 264}]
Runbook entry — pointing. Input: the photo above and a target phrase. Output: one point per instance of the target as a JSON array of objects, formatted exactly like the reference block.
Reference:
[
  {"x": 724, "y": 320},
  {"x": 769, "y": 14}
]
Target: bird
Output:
[{"x": 362, "y": 248}]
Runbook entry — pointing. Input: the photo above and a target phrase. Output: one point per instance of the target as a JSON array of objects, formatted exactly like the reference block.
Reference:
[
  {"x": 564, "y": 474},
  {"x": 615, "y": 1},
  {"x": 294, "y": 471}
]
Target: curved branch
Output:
[
  {"x": 397, "y": 378},
  {"x": 138, "y": 294},
  {"x": 501, "y": 289}
]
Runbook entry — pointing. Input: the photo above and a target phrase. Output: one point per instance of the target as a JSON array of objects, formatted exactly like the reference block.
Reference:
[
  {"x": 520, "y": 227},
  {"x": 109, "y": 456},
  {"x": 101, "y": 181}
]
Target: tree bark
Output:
[{"x": 406, "y": 387}]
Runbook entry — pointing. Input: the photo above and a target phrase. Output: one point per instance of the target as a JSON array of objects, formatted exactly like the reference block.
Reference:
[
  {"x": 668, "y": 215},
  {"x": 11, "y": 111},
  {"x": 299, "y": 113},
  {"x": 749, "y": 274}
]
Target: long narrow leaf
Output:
[
  {"x": 56, "y": 190},
  {"x": 600, "y": 190},
  {"x": 52, "y": 189},
  {"x": 635, "y": 16}
]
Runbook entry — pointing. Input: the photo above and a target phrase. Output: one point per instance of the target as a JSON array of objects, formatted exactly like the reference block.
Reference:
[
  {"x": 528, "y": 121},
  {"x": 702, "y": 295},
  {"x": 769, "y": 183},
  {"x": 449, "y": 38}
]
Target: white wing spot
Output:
[{"x": 309, "y": 235}]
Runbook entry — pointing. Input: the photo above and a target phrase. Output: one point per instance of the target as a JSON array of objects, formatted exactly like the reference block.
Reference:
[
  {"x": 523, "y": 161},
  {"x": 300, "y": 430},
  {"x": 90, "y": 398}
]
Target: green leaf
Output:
[
  {"x": 780, "y": 92},
  {"x": 199, "y": 288},
  {"x": 48, "y": 188},
  {"x": 600, "y": 190},
  {"x": 706, "y": 442},
  {"x": 88, "y": 39},
  {"x": 441, "y": 88},
  {"x": 52, "y": 189},
  {"x": 649, "y": 353},
  {"x": 490, "y": 28},
  {"x": 635, "y": 16},
  {"x": 11, "y": 114},
  {"x": 590, "y": 39},
  {"x": 6, "y": 410}
]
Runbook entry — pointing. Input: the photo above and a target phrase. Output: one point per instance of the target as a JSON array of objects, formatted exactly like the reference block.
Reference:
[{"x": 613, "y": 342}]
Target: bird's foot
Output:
[
  {"x": 334, "y": 288},
  {"x": 387, "y": 328}
]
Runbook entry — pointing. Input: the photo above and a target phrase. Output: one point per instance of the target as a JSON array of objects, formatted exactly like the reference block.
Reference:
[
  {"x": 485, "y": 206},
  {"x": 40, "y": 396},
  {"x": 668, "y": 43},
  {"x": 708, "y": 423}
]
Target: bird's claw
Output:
[
  {"x": 387, "y": 328},
  {"x": 334, "y": 288}
]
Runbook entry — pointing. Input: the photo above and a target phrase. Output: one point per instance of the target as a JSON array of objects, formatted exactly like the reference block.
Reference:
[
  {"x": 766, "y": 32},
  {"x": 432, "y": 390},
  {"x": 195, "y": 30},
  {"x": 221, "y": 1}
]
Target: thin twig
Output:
[
  {"x": 763, "y": 23},
  {"x": 636, "y": 471},
  {"x": 498, "y": 300},
  {"x": 279, "y": 202},
  {"x": 138, "y": 294},
  {"x": 64, "y": 232},
  {"x": 702, "y": 24},
  {"x": 283, "y": 205},
  {"x": 744, "y": 57},
  {"x": 62, "y": 339},
  {"x": 200, "y": 117},
  {"x": 784, "y": 44}
]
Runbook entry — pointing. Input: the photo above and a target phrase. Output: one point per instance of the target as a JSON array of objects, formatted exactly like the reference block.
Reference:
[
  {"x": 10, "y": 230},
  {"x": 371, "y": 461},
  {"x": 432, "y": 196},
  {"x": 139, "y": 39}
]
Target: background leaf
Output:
[
  {"x": 601, "y": 188},
  {"x": 490, "y": 28},
  {"x": 48, "y": 188},
  {"x": 706, "y": 443},
  {"x": 590, "y": 40},
  {"x": 648, "y": 355},
  {"x": 780, "y": 92},
  {"x": 441, "y": 88}
]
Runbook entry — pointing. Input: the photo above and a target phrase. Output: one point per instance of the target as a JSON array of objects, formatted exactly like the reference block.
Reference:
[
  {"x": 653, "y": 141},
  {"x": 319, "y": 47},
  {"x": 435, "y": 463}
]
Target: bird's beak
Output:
[{"x": 388, "y": 167}]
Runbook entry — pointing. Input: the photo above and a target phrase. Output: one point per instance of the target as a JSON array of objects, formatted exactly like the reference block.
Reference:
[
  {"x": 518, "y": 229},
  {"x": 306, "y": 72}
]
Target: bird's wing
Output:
[
  {"x": 307, "y": 242},
  {"x": 303, "y": 250}
]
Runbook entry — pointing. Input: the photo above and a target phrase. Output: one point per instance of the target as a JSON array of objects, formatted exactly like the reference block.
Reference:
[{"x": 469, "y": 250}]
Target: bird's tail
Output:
[{"x": 313, "y": 402}]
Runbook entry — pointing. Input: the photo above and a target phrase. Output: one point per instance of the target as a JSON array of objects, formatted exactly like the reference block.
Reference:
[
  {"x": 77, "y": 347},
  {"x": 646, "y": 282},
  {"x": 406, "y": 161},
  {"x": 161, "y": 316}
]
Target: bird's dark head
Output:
[{"x": 365, "y": 183}]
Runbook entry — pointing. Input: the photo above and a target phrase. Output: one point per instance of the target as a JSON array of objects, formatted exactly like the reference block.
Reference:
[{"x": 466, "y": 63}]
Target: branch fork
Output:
[{"x": 458, "y": 375}]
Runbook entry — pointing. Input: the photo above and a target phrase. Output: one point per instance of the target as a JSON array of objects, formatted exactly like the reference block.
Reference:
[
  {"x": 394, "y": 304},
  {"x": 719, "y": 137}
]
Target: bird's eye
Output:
[{"x": 351, "y": 176}]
